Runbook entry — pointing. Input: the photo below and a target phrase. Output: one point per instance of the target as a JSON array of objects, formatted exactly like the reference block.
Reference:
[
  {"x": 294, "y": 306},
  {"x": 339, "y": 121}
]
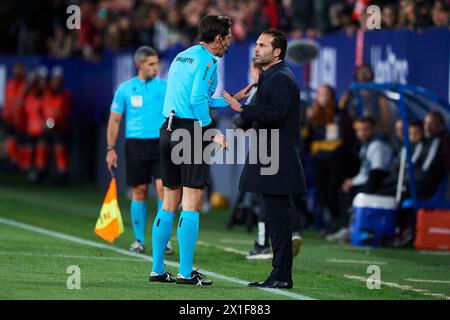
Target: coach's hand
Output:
[
  {"x": 347, "y": 185},
  {"x": 234, "y": 104},
  {"x": 244, "y": 93},
  {"x": 111, "y": 159},
  {"x": 221, "y": 141}
]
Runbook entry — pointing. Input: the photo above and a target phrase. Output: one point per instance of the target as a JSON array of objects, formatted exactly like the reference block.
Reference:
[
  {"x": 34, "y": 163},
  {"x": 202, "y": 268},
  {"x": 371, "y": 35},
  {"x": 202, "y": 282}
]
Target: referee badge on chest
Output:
[{"x": 137, "y": 101}]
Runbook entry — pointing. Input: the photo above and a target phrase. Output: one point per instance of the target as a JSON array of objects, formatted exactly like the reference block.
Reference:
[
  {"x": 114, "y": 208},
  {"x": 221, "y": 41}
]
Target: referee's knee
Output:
[{"x": 140, "y": 192}]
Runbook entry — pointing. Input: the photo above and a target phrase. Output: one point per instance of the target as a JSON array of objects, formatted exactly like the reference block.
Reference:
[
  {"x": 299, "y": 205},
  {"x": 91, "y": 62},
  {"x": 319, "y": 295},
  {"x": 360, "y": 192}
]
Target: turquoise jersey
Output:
[
  {"x": 142, "y": 102},
  {"x": 191, "y": 82}
]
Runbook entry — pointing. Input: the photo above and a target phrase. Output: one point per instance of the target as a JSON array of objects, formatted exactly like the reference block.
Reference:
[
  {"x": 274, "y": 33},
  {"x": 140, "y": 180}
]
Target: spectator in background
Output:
[
  {"x": 440, "y": 14},
  {"x": 55, "y": 114},
  {"x": 152, "y": 31},
  {"x": 329, "y": 133},
  {"x": 407, "y": 15},
  {"x": 34, "y": 153},
  {"x": 423, "y": 13},
  {"x": 13, "y": 112},
  {"x": 376, "y": 158},
  {"x": 432, "y": 166},
  {"x": 336, "y": 14},
  {"x": 374, "y": 104},
  {"x": 61, "y": 44},
  {"x": 389, "y": 17}
]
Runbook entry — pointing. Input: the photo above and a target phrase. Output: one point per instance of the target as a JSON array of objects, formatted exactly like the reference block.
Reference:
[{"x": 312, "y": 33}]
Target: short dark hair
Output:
[
  {"x": 416, "y": 124},
  {"x": 438, "y": 116},
  {"x": 213, "y": 25},
  {"x": 367, "y": 119},
  {"x": 144, "y": 52},
  {"x": 279, "y": 41}
]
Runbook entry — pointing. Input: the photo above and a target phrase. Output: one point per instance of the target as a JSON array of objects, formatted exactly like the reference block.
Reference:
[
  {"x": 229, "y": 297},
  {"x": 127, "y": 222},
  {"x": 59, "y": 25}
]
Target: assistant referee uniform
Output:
[{"x": 142, "y": 102}]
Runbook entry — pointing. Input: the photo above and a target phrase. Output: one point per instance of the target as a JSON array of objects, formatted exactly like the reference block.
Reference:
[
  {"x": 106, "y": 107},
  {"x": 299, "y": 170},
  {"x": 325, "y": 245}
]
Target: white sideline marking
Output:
[
  {"x": 346, "y": 248},
  {"x": 356, "y": 261},
  {"x": 29, "y": 254},
  {"x": 427, "y": 280},
  {"x": 237, "y": 241},
  {"x": 434, "y": 253},
  {"x": 94, "y": 244},
  {"x": 401, "y": 287},
  {"x": 226, "y": 249}
]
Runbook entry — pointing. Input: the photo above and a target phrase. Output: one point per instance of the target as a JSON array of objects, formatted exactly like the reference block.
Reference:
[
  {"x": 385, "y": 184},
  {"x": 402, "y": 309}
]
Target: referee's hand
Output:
[
  {"x": 221, "y": 141},
  {"x": 111, "y": 159}
]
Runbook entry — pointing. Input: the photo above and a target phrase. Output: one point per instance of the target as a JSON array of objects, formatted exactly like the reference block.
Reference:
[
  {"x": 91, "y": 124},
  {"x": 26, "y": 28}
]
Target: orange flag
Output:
[{"x": 109, "y": 224}]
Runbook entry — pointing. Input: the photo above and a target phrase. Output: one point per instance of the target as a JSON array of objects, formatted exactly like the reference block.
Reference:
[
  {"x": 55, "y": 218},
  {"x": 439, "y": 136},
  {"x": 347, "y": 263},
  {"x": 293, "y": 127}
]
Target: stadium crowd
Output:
[{"x": 122, "y": 24}]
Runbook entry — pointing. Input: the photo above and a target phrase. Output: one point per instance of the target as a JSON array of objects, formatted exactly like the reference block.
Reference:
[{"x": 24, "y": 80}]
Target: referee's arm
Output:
[
  {"x": 111, "y": 137},
  {"x": 112, "y": 131}
]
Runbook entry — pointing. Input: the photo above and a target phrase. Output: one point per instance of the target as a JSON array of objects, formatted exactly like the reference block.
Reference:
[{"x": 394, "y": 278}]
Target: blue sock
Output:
[
  {"x": 187, "y": 237},
  {"x": 138, "y": 219},
  {"x": 160, "y": 203},
  {"x": 162, "y": 228}
]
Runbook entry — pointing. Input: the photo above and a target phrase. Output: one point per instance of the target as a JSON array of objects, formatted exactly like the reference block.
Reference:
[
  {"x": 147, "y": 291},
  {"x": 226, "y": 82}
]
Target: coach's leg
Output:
[
  {"x": 187, "y": 231},
  {"x": 162, "y": 226},
  {"x": 279, "y": 223},
  {"x": 138, "y": 211}
]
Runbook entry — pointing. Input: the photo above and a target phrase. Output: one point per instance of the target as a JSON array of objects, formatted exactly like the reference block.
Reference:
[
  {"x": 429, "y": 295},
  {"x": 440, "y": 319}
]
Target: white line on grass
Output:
[
  {"x": 226, "y": 249},
  {"x": 434, "y": 253},
  {"x": 428, "y": 280},
  {"x": 237, "y": 241},
  {"x": 29, "y": 254},
  {"x": 346, "y": 248},
  {"x": 401, "y": 287},
  {"x": 74, "y": 239},
  {"x": 356, "y": 261}
]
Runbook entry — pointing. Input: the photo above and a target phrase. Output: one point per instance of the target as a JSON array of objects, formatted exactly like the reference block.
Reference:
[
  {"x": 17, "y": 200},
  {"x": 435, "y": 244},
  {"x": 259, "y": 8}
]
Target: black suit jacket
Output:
[{"x": 277, "y": 107}]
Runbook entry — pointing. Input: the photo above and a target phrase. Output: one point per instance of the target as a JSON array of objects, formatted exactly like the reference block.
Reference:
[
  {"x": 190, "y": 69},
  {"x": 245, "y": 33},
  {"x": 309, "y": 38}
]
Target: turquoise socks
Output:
[
  {"x": 187, "y": 237},
  {"x": 138, "y": 212},
  {"x": 162, "y": 228}
]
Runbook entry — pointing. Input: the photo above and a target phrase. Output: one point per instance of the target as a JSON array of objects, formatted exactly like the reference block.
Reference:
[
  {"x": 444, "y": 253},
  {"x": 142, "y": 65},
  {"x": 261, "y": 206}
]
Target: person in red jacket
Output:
[
  {"x": 33, "y": 107},
  {"x": 56, "y": 110},
  {"x": 13, "y": 111}
]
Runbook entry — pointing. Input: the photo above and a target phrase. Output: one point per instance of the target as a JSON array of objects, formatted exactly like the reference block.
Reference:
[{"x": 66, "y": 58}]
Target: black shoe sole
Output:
[{"x": 188, "y": 282}]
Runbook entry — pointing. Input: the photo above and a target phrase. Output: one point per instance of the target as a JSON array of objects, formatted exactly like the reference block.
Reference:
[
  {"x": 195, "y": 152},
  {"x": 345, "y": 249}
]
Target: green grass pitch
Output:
[{"x": 34, "y": 261}]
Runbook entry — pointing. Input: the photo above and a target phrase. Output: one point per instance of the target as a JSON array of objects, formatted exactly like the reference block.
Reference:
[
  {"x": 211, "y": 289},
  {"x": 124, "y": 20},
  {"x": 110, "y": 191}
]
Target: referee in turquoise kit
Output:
[
  {"x": 141, "y": 100},
  {"x": 191, "y": 83}
]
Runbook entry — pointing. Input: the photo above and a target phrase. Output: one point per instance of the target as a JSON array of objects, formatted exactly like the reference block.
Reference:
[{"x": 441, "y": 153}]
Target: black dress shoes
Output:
[{"x": 274, "y": 284}]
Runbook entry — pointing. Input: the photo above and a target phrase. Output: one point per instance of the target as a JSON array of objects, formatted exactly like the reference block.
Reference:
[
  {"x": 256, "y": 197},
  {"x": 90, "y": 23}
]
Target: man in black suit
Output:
[{"x": 277, "y": 109}]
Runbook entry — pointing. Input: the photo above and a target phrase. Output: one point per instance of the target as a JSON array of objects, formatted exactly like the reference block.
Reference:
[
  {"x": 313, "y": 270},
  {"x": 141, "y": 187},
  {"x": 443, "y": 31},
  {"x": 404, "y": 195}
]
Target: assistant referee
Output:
[{"x": 141, "y": 100}]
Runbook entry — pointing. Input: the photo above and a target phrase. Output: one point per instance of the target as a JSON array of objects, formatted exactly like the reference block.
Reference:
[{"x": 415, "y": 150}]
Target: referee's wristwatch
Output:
[{"x": 110, "y": 147}]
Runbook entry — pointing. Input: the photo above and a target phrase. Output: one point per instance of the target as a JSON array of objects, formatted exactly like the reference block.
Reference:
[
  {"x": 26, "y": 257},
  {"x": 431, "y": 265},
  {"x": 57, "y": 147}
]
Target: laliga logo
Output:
[{"x": 392, "y": 69}]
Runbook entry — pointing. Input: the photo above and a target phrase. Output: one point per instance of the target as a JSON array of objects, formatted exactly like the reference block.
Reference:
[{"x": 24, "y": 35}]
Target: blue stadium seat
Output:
[{"x": 437, "y": 201}]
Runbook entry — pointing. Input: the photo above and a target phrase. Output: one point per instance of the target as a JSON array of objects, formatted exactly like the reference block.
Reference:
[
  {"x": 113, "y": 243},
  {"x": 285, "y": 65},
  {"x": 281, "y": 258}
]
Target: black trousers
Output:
[{"x": 279, "y": 222}]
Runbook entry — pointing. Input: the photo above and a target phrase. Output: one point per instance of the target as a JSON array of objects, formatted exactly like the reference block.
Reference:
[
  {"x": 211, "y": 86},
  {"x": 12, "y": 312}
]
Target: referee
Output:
[
  {"x": 141, "y": 101},
  {"x": 192, "y": 81}
]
